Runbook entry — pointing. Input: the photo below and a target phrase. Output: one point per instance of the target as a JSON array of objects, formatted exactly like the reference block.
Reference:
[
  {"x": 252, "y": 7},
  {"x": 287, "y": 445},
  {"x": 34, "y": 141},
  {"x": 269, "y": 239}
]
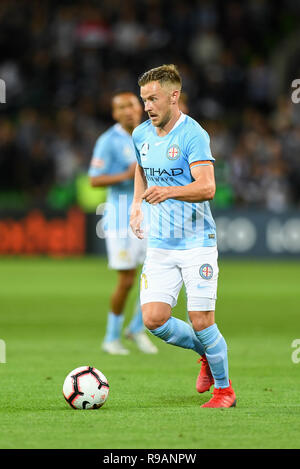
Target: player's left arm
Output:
[{"x": 201, "y": 189}]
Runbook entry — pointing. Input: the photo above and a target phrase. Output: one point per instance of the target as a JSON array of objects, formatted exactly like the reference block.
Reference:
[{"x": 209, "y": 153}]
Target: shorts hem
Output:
[
  {"x": 170, "y": 300},
  {"x": 207, "y": 305}
]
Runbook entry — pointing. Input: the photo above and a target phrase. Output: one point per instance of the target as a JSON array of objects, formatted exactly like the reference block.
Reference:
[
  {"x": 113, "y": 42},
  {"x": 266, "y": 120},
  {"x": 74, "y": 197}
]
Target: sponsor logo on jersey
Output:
[{"x": 163, "y": 172}]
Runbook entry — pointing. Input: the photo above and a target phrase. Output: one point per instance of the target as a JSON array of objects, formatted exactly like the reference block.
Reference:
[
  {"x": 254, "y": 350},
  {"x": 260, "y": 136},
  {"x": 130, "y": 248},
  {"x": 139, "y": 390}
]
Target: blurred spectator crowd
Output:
[{"x": 62, "y": 60}]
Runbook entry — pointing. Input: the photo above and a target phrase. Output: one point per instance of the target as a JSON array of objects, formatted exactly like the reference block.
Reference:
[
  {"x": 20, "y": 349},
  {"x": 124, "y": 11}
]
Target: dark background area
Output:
[{"x": 61, "y": 61}]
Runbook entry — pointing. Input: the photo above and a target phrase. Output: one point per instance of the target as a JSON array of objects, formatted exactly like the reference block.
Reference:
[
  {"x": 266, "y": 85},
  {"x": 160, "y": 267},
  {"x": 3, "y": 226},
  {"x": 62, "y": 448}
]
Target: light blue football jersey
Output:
[
  {"x": 114, "y": 153},
  {"x": 167, "y": 161}
]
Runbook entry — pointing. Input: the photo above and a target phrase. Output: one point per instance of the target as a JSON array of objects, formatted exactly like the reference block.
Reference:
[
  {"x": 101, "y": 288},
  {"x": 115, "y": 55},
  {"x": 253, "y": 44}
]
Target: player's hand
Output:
[
  {"x": 136, "y": 218},
  {"x": 156, "y": 194}
]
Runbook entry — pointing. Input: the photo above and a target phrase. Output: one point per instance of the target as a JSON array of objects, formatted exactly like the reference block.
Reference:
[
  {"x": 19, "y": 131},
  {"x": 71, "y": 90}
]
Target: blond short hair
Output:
[{"x": 165, "y": 74}]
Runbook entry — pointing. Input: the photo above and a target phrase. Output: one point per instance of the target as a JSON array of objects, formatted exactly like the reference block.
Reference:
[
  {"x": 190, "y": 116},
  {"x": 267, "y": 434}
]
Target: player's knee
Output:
[
  {"x": 153, "y": 323},
  {"x": 154, "y": 318},
  {"x": 201, "y": 319}
]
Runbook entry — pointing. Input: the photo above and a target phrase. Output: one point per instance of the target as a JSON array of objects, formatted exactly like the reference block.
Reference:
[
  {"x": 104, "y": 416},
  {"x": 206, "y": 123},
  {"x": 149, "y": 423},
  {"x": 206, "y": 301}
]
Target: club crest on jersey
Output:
[
  {"x": 206, "y": 271},
  {"x": 127, "y": 151},
  {"x": 173, "y": 152}
]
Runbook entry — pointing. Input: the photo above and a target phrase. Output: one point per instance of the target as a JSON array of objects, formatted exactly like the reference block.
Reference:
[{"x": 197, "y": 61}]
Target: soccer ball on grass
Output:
[{"x": 86, "y": 388}]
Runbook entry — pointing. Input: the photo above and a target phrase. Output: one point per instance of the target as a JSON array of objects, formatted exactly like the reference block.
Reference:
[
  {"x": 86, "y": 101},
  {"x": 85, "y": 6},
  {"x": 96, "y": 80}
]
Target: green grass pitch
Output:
[{"x": 52, "y": 319}]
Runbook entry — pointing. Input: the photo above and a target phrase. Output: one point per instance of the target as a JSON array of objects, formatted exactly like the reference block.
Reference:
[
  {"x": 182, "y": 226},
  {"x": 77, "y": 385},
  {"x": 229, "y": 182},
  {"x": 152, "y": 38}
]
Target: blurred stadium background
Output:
[{"x": 60, "y": 61}]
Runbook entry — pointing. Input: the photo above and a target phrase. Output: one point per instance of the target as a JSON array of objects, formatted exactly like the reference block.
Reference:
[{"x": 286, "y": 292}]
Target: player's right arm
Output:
[
  {"x": 136, "y": 215},
  {"x": 100, "y": 170},
  {"x": 111, "y": 179}
]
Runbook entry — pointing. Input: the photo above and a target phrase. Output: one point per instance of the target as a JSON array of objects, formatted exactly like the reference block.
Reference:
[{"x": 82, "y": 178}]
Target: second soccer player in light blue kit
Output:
[
  {"x": 113, "y": 163},
  {"x": 175, "y": 175}
]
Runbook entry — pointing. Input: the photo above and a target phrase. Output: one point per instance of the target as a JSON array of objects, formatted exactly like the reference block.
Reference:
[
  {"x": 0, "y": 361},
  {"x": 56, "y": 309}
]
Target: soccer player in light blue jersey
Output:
[
  {"x": 113, "y": 165},
  {"x": 175, "y": 175}
]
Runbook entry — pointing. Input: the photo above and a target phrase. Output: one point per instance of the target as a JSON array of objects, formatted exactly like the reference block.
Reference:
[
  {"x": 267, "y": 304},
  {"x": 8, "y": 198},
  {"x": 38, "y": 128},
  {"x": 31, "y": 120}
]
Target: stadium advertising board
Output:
[
  {"x": 38, "y": 232},
  {"x": 258, "y": 233},
  {"x": 240, "y": 233}
]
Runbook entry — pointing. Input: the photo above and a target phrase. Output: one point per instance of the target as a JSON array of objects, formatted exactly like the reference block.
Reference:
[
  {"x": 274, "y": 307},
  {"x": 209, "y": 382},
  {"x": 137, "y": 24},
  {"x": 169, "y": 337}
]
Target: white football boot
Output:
[
  {"x": 115, "y": 347},
  {"x": 142, "y": 341}
]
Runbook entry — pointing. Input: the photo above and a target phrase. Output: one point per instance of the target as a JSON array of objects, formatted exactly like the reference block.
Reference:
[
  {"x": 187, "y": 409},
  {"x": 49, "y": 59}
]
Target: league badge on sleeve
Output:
[
  {"x": 206, "y": 271},
  {"x": 97, "y": 163},
  {"x": 144, "y": 151}
]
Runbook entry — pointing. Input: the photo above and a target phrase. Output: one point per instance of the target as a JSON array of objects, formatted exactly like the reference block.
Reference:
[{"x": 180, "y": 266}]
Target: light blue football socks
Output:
[
  {"x": 136, "y": 324},
  {"x": 179, "y": 333},
  {"x": 113, "y": 327},
  {"x": 115, "y": 324},
  {"x": 216, "y": 353},
  {"x": 209, "y": 341}
]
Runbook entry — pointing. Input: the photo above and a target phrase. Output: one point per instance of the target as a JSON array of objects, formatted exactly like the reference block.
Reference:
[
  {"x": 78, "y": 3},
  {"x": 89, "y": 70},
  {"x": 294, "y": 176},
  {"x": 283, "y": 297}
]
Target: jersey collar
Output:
[{"x": 177, "y": 123}]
